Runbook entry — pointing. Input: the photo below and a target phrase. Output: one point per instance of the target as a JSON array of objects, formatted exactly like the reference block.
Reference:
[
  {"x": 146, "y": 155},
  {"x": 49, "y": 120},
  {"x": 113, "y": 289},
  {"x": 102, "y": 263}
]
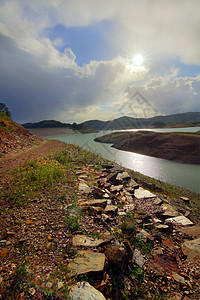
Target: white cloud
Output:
[{"x": 177, "y": 95}]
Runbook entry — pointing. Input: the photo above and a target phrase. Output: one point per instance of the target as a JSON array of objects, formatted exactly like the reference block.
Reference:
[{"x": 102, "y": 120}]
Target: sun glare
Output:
[
  {"x": 136, "y": 63},
  {"x": 138, "y": 59}
]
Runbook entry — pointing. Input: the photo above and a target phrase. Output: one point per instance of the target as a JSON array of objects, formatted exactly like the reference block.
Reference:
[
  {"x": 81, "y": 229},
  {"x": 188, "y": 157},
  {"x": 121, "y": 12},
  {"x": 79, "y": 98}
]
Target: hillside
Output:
[
  {"x": 184, "y": 119},
  {"x": 74, "y": 223},
  {"x": 13, "y": 137}
]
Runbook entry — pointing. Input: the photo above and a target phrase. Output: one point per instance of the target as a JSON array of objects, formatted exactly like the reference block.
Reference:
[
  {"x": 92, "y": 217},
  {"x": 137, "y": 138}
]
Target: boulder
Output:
[
  {"x": 85, "y": 291},
  {"x": 168, "y": 211}
]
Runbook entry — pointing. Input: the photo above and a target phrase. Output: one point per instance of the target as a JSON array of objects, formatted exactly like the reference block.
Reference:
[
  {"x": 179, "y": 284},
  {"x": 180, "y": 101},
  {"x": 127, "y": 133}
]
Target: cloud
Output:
[
  {"x": 37, "y": 81},
  {"x": 163, "y": 95}
]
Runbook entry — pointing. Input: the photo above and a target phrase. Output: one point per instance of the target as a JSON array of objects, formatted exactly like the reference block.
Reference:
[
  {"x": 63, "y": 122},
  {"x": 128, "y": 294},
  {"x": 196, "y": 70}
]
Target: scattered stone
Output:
[
  {"x": 87, "y": 261},
  {"x": 49, "y": 284},
  {"x": 168, "y": 211},
  {"x": 192, "y": 231},
  {"x": 115, "y": 188},
  {"x": 138, "y": 258},
  {"x": 178, "y": 278},
  {"x": 192, "y": 250},
  {"x": 111, "y": 209},
  {"x": 117, "y": 255},
  {"x": 142, "y": 235},
  {"x": 60, "y": 285},
  {"x": 123, "y": 176},
  {"x": 85, "y": 291},
  {"x": 162, "y": 227},
  {"x": 157, "y": 201},
  {"x": 86, "y": 241},
  {"x": 182, "y": 220},
  {"x": 94, "y": 202},
  {"x": 185, "y": 199},
  {"x": 133, "y": 184},
  {"x": 31, "y": 291},
  {"x": 84, "y": 188},
  {"x": 141, "y": 193}
]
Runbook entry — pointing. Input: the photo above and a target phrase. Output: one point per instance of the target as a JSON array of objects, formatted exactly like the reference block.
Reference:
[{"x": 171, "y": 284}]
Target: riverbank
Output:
[
  {"x": 179, "y": 147},
  {"x": 60, "y": 207}
]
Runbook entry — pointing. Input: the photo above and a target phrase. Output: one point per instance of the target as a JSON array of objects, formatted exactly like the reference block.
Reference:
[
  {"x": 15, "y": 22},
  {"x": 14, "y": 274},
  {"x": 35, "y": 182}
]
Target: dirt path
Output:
[{"x": 13, "y": 160}]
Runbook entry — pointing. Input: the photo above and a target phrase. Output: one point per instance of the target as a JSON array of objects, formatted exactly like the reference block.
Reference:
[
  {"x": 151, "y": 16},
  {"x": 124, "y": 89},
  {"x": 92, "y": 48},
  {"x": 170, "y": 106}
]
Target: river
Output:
[{"x": 183, "y": 175}]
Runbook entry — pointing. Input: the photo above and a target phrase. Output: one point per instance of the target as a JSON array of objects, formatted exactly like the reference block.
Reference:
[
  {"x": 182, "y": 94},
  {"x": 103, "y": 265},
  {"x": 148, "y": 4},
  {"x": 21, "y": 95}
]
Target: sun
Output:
[
  {"x": 138, "y": 59},
  {"x": 136, "y": 63}
]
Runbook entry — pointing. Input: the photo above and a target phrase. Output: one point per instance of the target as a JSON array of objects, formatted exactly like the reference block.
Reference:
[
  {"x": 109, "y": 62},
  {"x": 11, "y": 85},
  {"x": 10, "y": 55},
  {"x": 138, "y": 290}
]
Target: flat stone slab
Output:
[
  {"x": 87, "y": 261},
  {"x": 84, "y": 188},
  {"x": 141, "y": 193},
  {"x": 169, "y": 211},
  {"x": 111, "y": 209},
  {"x": 86, "y": 241},
  {"x": 116, "y": 188},
  {"x": 94, "y": 202},
  {"x": 182, "y": 220},
  {"x": 192, "y": 250},
  {"x": 85, "y": 291}
]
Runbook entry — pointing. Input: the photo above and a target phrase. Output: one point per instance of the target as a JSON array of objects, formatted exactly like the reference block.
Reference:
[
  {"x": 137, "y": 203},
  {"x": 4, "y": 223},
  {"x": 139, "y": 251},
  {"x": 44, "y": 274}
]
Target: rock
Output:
[
  {"x": 87, "y": 261},
  {"x": 157, "y": 201},
  {"x": 185, "y": 199},
  {"x": 168, "y": 211},
  {"x": 192, "y": 231},
  {"x": 192, "y": 250},
  {"x": 1, "y": 279},
  {"x": 133, "y": 184},
  {"x": 129, "y": 207},
  {"x": 116, "y": 255},
  {"x": 142, "y": 235},
  {"x": 84, "y": 188},
  {"x": 86, "y": 241},
  {"x": 107, "y": 219},
  {"x": 181, "y": 220},
  {"x": 178, "y": 278},
  {"x": 123, "y": 176},
  {"x": 111, "y": 209},
  {"x": 49, "y": 284},
  {"x": 141, "y": 193},
  {"x": 138, "y": 258},
  {"x": 176, "y": 296},
  {"x": 94, "y": 202},
  {"x": 116, "y": 188},
  {"x": 31, "y": 291},
  {"x": 162, "y": 227},
  {"x": 60, "y": 285},
  {"x": 85, "y": 291}
]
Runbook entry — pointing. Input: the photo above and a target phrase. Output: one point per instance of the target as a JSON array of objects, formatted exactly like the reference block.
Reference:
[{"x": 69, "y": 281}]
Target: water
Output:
[{"x": 183, "y": 175}]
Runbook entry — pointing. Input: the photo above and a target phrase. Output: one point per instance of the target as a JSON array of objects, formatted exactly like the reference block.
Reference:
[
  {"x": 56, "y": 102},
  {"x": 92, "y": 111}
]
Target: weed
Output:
[{"x": 128, "y": 224}]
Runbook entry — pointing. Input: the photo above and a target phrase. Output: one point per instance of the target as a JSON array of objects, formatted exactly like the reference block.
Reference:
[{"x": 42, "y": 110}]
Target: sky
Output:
[{"x": 78, "y": 60}]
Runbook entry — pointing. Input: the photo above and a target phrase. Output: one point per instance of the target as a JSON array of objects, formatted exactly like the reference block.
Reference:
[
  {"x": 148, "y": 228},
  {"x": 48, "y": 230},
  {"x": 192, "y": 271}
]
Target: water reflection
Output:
[{"x": 187, "y": 176}]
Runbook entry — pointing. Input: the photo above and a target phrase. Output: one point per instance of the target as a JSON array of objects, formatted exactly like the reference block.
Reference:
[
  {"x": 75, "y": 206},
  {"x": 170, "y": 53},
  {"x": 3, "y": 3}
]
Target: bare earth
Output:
[{"x": 13, "y": 159}]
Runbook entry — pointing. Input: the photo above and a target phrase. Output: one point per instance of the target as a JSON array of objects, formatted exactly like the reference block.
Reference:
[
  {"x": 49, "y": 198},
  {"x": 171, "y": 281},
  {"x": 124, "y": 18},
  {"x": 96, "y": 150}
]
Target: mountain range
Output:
[{"x": 185, "y": 119}]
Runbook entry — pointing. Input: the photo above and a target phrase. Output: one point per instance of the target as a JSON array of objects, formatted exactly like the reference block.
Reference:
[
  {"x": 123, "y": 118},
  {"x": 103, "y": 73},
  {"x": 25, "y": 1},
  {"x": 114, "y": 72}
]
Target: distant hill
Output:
[
  {"x": 57, "y": 124},
  {"x": 188, "y": 119},
  {"x": 46, "y": 124}
]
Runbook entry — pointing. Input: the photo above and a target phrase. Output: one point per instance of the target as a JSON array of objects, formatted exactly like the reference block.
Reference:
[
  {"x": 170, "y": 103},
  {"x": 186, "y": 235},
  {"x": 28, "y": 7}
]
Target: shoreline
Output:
[{"x": 179, "y": 147}]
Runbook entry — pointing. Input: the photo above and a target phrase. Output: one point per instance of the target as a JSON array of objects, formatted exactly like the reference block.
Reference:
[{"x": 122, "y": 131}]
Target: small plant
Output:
[{"x": 128, "y": 224}]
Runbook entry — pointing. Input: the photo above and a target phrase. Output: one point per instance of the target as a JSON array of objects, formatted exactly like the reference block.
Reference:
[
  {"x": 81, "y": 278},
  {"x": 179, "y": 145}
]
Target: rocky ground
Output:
[
  {"x": 180, "y": 147},
  {"x": 74, "y": 226},
  {"x": 106, "y": 238}
]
